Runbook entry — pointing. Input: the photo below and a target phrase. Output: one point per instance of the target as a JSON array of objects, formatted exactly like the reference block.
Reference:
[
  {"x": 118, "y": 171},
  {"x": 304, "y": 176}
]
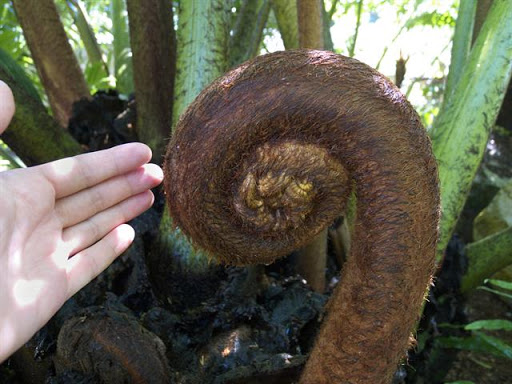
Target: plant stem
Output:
[
  {"x": 33, "y": 134},
  {"x": 311, "y": 24},
  {"x": 462, "y": 130},
  {"x": 122, "y": 59},
  {"x": 79, "y": 14},
  {"x": 461, "y": 46},
  {"x": 358, "y": 24},
  {"x": 332, "y": 10},
  {"x": 56, "y": 63},
  {"x": 202, "y": 46},
  {"x": 248, "y": 30},
  {"x": 327, "y": 20},
  {"x": 312, "y": 262},
  {"x": 312, "y": 258},
  {"x": 154, "y": 61},
  {"x": 286, "y": 16}
]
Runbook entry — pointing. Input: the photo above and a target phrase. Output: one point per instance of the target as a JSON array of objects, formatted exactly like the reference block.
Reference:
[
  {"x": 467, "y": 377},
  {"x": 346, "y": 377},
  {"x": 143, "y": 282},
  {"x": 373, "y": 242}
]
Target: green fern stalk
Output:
[
  {"x": 202, "y": 44},
  {"x": 462, "y": 129}
]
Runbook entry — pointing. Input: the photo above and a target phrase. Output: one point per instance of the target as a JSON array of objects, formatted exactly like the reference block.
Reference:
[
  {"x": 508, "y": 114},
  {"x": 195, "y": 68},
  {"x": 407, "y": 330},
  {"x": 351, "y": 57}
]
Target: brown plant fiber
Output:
[{"x": 265, "y": 158}]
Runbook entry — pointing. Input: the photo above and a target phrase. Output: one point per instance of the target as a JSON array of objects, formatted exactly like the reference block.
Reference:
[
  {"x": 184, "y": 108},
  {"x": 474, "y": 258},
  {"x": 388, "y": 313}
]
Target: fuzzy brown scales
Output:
[
  {"x": 279, "y": 190},
  {"x": 316, "y": 123}
]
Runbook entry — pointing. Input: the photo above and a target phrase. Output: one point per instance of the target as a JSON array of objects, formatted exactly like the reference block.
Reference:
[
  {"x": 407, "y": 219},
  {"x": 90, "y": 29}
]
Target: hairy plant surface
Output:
[{"x": 265, "y": 158}]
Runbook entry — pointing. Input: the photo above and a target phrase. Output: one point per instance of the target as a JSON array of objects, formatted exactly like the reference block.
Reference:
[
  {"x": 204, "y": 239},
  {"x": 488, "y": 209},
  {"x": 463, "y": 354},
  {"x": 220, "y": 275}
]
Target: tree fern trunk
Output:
[
  {"x": 311, "y": 23},
  {"x": 153, "y": 44},
  {"x": 55, "y": 61},
  {"x": 33, "y": 134},
  {"x": 312, "y": 258}
]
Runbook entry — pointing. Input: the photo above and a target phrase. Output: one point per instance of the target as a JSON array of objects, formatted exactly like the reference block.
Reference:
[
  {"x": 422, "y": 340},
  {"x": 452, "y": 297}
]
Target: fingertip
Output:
[
  {"x": 147, "y": 151},
  {"x": 140, "y": 149},
  {"x": 121, "y": 238},
  {"x": 89, "y": 263},
  {"x": 7, "y": 107},
  {"x": 155, "y": 172},
  {"x": 124, "y": 234},
  {"x": 145, "y": 201},
  {"x": 151, "y": 199}
]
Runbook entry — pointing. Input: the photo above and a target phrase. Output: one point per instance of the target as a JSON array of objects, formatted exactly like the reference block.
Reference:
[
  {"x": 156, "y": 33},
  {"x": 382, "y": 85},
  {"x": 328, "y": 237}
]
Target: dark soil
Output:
[{"x": 245, "y": 325}]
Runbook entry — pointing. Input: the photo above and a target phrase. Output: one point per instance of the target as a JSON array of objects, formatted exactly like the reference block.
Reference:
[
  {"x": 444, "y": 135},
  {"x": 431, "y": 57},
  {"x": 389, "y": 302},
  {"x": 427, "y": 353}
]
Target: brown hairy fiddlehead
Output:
[{"x": 265, "y": 158}]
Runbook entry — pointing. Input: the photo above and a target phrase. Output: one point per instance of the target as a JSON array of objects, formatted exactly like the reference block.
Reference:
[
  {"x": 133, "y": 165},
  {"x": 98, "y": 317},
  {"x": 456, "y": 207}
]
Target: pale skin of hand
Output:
[{"x": 61, "y": 224}]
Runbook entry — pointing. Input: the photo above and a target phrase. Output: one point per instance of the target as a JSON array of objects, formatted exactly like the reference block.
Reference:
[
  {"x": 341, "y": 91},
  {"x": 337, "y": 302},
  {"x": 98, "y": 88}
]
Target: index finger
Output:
[{"x": 74, "y": 174}]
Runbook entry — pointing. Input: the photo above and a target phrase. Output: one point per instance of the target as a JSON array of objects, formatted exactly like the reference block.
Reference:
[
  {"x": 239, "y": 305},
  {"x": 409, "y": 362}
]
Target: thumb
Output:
[{"x": 6, "y": 106}]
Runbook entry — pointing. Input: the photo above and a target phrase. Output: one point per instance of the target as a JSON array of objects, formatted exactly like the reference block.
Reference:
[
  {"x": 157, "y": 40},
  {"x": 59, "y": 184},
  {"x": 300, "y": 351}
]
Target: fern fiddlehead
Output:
[{"x": 266, "y": 157}]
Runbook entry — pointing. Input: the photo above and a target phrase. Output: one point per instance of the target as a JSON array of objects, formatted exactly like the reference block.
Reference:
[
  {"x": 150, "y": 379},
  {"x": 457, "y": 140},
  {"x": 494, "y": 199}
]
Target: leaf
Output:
[
  {"x": 490, "y": 325},
  {"x": 465, "y": 343},
  {"x": 499, "y": 293},
  {"x": 434, "y": 19},
  {"x": 497, "y": 216},
  {"x": 460, "y": 382},
  {"x": 478, "y": 342},
  {"x": 500, "y": 284},
  {"x": 95, "y": 75},
  {"x": 500, "y": 345}
]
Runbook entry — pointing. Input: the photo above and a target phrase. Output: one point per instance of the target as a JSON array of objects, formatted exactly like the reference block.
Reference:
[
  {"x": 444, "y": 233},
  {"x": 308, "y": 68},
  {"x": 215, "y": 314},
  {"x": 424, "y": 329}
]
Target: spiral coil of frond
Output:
[{"x": 266, "y": 157}]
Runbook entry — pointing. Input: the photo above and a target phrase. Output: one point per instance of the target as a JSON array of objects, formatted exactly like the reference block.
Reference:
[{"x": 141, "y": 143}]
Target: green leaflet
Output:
[{"x": 490, "y": 325}]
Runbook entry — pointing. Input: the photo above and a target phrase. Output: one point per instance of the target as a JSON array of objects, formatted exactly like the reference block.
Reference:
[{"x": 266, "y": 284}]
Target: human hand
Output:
[{"x": 61, "y": 224}]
